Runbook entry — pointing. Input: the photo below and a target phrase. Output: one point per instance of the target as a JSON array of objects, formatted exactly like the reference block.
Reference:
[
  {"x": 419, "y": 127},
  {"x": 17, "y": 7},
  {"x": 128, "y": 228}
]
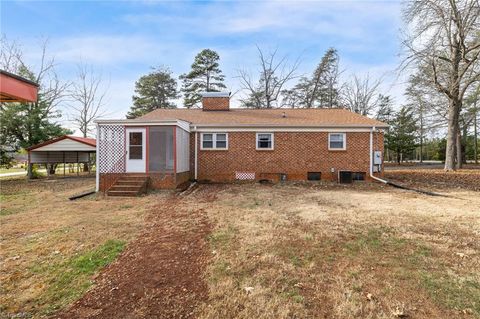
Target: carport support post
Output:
[
  {"x": 63, "y": 164},
  {"x": 29, "y": 167},
  {"x": 78, "y": 164}
]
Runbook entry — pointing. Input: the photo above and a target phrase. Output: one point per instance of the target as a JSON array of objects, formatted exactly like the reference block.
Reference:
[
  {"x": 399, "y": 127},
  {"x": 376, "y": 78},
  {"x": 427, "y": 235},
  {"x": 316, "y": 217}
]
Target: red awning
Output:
[{"x": 14, "y": 88}]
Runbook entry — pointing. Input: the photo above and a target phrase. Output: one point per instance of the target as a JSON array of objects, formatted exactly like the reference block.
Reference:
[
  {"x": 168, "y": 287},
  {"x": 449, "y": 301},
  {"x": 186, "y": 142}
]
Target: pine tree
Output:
[
  {"x": 401, "y": 137},
  {"x": 319, "y": 90},
  {"x": 205, "y": 76},
  {"x": 153, "y": 91}
]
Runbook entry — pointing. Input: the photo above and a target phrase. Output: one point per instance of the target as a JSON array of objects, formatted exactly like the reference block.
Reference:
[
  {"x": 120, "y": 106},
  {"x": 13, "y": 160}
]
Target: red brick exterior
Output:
[
  {"x": 156, "y": 180},
  {"x": 216, "y": 103},
  {"x": 294, "y": 154}
]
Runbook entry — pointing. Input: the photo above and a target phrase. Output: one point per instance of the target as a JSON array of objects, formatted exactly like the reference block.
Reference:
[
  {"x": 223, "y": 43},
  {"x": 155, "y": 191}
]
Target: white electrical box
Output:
[{"x": 377, "y": 158}]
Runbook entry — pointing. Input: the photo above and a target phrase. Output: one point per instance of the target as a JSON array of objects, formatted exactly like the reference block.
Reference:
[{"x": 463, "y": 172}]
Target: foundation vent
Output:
[{"x": 244, "y": 176}]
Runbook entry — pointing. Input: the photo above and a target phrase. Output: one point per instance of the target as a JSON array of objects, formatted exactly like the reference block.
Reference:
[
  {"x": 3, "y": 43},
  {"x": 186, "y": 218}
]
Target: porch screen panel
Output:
[{"x": 160, "y": 149}]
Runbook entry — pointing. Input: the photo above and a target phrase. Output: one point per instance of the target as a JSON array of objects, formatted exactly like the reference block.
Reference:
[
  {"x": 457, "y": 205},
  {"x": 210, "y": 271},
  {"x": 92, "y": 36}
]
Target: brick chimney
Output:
[{"x": 215, "y": 101}]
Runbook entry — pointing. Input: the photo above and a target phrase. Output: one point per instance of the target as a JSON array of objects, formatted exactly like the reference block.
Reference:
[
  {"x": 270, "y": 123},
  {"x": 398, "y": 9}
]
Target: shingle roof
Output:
[{"x": 258, "y": 117}]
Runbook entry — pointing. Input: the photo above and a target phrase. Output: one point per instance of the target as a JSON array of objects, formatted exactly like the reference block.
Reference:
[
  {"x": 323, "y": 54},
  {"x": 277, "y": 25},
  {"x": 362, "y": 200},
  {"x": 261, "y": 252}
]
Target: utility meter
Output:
[{"x": 377, "y": 158}]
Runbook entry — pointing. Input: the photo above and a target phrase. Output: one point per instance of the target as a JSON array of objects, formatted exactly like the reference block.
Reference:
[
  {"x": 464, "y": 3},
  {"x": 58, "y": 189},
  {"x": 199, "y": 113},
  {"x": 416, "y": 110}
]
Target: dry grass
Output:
[
  {"x": 302, "y": 251},
  {"x": 50, "y": 246}
]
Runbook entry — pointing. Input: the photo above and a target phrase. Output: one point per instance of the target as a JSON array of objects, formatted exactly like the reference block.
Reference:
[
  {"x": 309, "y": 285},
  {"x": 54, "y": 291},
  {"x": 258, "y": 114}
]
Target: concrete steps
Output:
[{"x": 129, "y": 186}]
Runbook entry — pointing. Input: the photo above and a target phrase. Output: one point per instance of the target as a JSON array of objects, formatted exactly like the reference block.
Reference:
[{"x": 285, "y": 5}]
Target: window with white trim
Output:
[
  {"x": 214, "y": 141},
  {"x": 337, "y": 141},
  {"x": 264, "y": 141}
]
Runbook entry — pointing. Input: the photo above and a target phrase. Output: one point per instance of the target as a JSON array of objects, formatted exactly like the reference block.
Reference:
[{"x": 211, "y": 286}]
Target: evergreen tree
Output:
[
  {"x": 205, "y": 76},
  {"x": 153, "y": 91},
  {"x": 401, "y": 136},
  {"x": 319, "y": 90}
]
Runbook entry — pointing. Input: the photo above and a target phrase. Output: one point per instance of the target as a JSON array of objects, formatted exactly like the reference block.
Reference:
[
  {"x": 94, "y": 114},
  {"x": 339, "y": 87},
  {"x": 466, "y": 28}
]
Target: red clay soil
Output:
[{"x": 160, "y": 275}]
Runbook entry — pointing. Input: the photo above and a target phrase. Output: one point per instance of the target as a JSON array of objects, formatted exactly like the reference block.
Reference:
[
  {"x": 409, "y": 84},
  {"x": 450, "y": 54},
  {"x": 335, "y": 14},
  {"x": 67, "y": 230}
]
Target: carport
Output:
[
  {"x": 14, "y": 88},
  {"x": 65, "y": 149}
]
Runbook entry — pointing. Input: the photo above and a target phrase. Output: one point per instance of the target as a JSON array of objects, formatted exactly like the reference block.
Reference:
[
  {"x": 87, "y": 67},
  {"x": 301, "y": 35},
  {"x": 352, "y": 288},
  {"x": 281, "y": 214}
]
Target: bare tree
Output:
[
  {"x": 445, "y": 36},
  {"x": 360, "y": 95},
  {"x": 274, "y": 74},
  {"x": 31, "y": 123},
  {"x": 88, "y": 96}
]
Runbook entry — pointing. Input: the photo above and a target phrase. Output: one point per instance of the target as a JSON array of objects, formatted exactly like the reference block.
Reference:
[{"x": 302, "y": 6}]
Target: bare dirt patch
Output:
[
  {"x": 160, "y": 275},
  {"x": 437, "y": 178}
]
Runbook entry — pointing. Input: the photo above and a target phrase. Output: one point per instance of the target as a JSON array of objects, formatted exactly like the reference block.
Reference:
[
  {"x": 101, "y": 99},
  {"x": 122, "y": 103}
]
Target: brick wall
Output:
[
  {"x": 295, "y": 154},
  {"x": 216, "y": 103}
]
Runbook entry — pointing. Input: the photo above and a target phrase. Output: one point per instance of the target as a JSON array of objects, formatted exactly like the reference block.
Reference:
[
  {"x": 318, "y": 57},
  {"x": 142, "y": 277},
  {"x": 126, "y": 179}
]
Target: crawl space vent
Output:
[
  {"x": 345, "y": 177},
  {"x": 244, "y": 176},
  {"x": 314, "y": 176}
]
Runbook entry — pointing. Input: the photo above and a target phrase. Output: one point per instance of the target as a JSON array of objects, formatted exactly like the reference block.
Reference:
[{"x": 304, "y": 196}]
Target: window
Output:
[
  {"x": 337, "y": 141},
  {"x": 264, "y": 141},
  {"x": 214, "y": 141},
  {"x": 135, "y": 145}
]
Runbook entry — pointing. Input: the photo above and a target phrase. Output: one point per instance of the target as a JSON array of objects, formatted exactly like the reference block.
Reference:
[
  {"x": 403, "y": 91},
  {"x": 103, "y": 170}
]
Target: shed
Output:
[
  {"x": 65, "y": 149},
  {"x": 14, "y": 88}
]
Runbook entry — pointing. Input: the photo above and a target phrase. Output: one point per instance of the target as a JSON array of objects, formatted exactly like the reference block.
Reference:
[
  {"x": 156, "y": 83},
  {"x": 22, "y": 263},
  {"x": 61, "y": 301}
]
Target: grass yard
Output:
[
  {"x": 294, "y": 250},
  {"x": 50, "y": 247},
  {"x": 360, "y": 251}
]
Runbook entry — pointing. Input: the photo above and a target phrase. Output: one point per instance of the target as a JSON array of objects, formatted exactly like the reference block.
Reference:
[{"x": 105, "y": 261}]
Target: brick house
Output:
[{"x": 167, "y": 147}]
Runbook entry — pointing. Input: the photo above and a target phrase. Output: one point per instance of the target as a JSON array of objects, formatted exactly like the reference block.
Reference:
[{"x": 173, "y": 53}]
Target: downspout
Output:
[
  {"x": 196, "y": 153},
  {"x": 371, "y": 158},
  {"x": 97, "y": 169}
]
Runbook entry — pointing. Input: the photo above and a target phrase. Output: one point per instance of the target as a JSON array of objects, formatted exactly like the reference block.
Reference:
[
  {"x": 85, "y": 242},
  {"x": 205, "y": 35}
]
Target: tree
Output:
[
  {"x": 205, "y": 76},
  {"x": 360, "y": 95},
  {"x": 27, "y": 124},
  {"x": 320, "y": 90},
  {"x": 445, "y": 36},
  {"x": 385, "y": 113},
  {"x": 88, "y": 98},
  {"x": 154, "y": 91},
  {"x": 274, "y": 74},
  {"x": 401, "y": 136}
]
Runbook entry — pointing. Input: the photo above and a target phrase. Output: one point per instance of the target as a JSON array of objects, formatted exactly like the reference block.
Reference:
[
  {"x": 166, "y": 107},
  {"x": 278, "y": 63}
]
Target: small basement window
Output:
[
  {"x": 337, "y": 141},
  {"x": 214, "y": 141},
  {"x": 314, "y": 176},
  {"x": 264, "y": 141}
]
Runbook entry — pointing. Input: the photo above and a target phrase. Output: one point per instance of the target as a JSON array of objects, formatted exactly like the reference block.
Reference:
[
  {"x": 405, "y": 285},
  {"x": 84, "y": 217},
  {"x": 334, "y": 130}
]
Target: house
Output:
[{"x": 222, "y": 144}]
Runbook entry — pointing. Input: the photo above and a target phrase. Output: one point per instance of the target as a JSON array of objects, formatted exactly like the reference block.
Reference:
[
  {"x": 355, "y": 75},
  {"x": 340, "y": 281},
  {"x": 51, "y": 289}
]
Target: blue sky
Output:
[{"x": 122, "y": 39}]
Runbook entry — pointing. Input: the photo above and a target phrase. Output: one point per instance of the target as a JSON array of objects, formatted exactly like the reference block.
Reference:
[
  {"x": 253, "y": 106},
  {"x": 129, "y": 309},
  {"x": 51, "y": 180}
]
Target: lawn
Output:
[
  {"x": 293, "y": 250},
  {"x": 50, "y": 246},
  {"x": 360, "y": 251}
]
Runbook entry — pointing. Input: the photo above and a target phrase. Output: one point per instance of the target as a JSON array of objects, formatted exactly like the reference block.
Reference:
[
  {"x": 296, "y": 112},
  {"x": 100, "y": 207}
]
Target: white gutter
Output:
[
  {"x": 371, "y": 158},
  {"x": 196, "y": 151},
  {"x": 97, "y": 169}
]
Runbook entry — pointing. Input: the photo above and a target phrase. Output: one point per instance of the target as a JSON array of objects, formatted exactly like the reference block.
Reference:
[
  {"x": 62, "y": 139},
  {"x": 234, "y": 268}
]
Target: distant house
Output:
[{"x": 222, "y": 144}]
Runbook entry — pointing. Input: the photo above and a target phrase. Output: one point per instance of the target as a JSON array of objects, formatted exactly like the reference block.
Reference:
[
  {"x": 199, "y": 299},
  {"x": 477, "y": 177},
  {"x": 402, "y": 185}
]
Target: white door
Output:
[{"x": 136, "y": 152}]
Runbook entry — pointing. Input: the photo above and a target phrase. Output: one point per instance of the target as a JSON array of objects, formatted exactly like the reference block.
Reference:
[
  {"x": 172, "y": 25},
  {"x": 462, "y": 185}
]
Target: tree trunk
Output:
[
  {"x": 453, "y": 114},
  {"x": 475, "y": 140},
  {"x": 459, "y": 149}
]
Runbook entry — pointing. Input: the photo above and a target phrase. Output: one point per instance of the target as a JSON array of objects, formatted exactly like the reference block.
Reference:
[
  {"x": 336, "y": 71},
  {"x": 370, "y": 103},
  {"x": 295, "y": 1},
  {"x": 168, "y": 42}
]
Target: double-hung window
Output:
[
  {"x": 337, "y": 141},
  {"x": 264, "y": 141},
  {"x": 214, "y": 141}
]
